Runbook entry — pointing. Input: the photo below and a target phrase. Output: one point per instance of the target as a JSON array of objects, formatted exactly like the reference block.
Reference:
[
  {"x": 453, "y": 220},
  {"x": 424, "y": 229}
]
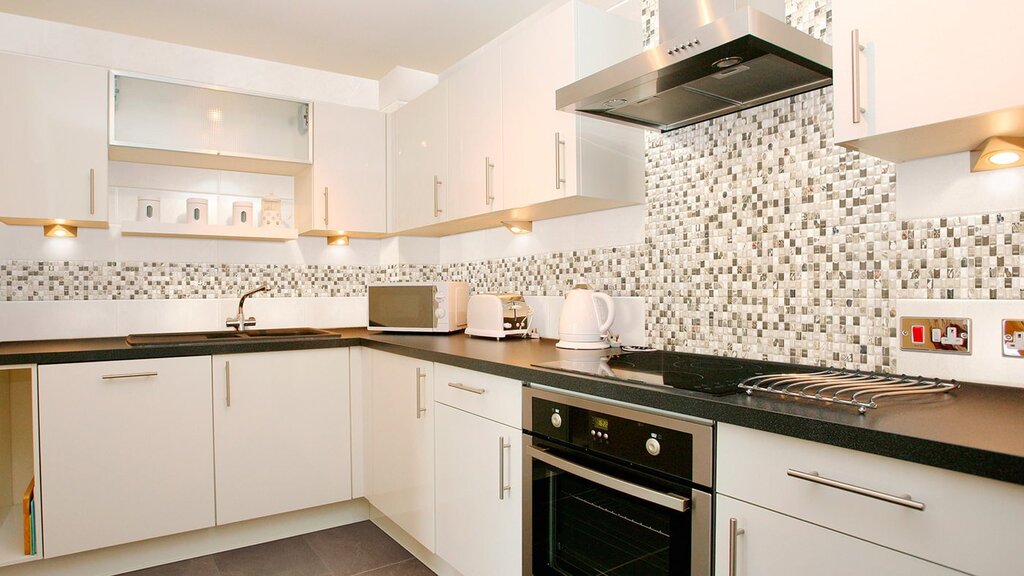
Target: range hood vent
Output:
[{"x": 716, "y": 57}]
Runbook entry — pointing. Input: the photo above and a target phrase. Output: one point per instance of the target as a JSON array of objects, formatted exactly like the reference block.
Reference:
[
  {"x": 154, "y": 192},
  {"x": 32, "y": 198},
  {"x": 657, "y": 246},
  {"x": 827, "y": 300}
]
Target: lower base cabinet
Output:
[
  {"x": 126, "y": 451},
  {"x": 479, "y": 494},
  {"x": 282, "y": 431},
  {"x": 771, "y": 544}
]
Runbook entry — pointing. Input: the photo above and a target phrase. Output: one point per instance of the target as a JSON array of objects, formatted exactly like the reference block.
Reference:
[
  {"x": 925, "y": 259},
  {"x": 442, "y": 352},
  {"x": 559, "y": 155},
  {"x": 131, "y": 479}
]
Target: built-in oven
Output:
[{"x": 612, "y": 490}]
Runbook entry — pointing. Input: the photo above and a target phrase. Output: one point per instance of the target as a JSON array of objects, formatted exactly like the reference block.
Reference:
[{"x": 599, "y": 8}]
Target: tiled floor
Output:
[{"x": 357, "y": 549}]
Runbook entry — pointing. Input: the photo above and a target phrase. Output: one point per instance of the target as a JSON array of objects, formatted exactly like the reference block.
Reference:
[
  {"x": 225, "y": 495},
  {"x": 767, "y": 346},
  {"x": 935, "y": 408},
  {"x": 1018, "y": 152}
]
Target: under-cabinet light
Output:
[
  {"x": 519, "y": 226},
  {"x": 60, "y": 231},
  {"x": 340, "y": 240},
  {"x": 998, "y": 152}
]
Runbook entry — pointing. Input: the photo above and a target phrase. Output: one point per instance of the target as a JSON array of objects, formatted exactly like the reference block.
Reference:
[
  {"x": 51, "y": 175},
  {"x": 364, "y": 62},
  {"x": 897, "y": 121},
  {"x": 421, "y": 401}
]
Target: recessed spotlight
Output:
[{"x": 1004, "y": 158}]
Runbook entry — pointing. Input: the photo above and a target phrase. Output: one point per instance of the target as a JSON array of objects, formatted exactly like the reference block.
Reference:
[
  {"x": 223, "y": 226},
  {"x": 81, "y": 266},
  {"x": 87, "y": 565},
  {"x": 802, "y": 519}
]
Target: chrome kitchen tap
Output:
[{"x": 240, "y": 322}]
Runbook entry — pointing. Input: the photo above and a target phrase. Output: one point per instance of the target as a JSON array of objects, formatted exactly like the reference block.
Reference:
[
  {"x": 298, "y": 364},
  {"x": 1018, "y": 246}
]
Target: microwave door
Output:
[{"x": 409, "y": 307}]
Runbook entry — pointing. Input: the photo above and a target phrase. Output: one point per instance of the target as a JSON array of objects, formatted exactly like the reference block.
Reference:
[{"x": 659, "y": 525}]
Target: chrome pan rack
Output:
[{"x": 860, "y": 389}]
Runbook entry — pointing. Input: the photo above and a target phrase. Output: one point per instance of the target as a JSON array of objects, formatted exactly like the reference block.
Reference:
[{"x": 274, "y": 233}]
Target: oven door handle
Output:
[{"x": 671, "y": 501}]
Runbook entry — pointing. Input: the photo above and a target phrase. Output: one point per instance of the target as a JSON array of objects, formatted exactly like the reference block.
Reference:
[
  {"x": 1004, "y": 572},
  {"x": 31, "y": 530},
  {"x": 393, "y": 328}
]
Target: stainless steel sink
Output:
[{"x": 227, "y": 336}]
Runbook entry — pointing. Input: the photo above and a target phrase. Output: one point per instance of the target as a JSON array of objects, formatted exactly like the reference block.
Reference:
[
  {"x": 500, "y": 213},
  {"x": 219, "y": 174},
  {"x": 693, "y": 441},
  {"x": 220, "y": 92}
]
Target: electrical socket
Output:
[{"x": 1013, "y": 338}]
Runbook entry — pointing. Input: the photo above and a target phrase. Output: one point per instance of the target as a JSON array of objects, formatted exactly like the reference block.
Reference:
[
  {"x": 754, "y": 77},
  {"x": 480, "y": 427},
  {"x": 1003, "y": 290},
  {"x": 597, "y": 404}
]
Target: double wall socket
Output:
[
  {"x": 1013, "y": 338},
  {"x": 946, "y": 335}
]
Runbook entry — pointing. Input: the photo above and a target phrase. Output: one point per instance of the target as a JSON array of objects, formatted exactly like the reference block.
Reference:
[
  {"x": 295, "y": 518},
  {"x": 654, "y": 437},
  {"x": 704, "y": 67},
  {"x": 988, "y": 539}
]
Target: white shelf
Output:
[
  {"x": 210, "y": 231},
  {"x": 12, "y": 537}
]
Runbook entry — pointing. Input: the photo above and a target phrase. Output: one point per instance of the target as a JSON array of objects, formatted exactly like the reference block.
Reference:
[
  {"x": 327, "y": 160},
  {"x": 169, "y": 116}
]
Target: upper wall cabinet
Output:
[
  {"x": 488, "y": 145},
  {"x": 344, "y": 191},
  {"x": 53, "y": 160},
  {"x": 549, "y": 154},
  {"x": 161, "y": 122},
  {"x": 913, "y": 81},
  {"x": 421, "y": 163},
  {"x": 474, "y": 135}
]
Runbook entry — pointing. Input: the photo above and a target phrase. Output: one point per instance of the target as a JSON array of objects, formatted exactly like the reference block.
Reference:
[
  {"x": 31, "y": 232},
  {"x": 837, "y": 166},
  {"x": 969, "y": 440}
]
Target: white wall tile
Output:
[
  {"x": 986, "y": 363},
  {"x": 58, "y": 319},
  {"x": 184, "y": 315},
  {"x": 945, "y": 186},
  {"x": 628, "y": 323}
]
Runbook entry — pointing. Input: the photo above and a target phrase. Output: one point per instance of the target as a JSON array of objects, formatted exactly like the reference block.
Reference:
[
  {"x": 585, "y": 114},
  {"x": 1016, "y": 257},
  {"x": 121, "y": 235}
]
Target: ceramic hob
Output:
[{"x": 713, "y": 375}]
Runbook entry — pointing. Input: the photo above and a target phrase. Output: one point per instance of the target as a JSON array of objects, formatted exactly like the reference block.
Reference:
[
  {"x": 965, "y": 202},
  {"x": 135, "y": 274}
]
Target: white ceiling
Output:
[{"x": 362, "y": 38}]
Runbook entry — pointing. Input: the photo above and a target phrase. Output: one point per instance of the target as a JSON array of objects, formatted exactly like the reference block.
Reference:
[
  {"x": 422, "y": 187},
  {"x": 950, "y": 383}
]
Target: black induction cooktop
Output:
[{"x": 715, "y": 375}]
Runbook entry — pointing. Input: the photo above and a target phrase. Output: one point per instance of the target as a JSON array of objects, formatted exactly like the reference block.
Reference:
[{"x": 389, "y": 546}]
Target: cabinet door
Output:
[
  {"x": 348, "y": 169},
  {"x": 401, "y": 453},
  {"x": 281, "y": 429},
  {"x": 53, "y": 160},
  {"x": 479, "y": 523},
  {"x": 911, "y": 50},
  {"x": 126, "y": 451},
  {"x": 773, "y": 544},
  {"x": 474, "y": 135},
  {"x": 421, "y": 174},
  {"x": 539, "y": 142}
]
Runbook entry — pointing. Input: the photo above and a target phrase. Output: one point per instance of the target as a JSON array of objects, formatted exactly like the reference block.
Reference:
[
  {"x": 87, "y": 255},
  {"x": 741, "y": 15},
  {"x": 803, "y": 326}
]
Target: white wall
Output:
[
  {"x": 36, "y": 37},
  {"x": 945, "y": 186}
]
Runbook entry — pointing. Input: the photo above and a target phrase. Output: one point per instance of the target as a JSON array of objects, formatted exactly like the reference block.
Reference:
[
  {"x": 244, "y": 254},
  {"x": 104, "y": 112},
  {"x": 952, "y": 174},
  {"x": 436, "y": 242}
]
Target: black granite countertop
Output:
[{"x": 977, "y": 429}]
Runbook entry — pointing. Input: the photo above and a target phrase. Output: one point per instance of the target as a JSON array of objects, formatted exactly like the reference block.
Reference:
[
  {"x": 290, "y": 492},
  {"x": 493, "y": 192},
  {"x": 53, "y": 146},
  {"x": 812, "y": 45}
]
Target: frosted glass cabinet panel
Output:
[{"x": 162, "y": 115}]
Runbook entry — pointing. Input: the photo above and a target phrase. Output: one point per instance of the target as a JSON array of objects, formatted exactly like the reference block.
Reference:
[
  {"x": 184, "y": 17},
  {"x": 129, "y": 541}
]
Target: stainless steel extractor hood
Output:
[{"x": 715, "y": 57}]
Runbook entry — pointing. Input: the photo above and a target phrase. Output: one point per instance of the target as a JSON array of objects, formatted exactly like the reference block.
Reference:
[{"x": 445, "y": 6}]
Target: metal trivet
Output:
[{"x": 859, "y": 389}]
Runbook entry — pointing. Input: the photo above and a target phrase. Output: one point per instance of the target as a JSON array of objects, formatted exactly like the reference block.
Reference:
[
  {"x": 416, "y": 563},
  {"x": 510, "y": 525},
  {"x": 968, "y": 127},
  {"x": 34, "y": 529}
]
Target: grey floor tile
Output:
[
  {"x": 204, "y": 566},
  {"x": 411, "y": 567},
  {"x": 356, "y": 548},
  {"x": 288, "y": 557}
]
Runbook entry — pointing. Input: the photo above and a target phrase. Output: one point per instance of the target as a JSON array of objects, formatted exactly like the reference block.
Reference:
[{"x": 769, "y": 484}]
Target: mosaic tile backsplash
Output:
[{"x": 763, "y": 239}]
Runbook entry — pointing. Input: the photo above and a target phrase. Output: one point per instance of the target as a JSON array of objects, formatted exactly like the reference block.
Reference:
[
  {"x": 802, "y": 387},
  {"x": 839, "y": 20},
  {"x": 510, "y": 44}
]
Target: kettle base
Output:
[{"x": 570, "y": 345}]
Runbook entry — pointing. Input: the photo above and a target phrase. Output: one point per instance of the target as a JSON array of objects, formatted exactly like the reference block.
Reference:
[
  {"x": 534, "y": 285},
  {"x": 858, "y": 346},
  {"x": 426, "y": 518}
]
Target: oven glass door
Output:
[
  {"x": 585, "y": 523},
  {"x": 410, "y": 307}
]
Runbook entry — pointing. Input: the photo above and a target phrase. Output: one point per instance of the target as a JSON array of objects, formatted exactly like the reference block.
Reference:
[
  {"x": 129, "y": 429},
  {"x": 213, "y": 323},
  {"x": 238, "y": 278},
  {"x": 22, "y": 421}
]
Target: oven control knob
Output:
[
  {"x": 653, "y": 446},
  {"x": 556, "y": 420}
]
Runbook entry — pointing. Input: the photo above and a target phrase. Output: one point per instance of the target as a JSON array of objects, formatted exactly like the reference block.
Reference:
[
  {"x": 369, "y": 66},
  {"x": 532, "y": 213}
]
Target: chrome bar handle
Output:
[
  {"x": 855, "y": 49},
  {"x": 420, "y": 376},
  {"x": 437, "y": 186},
  {"x": 92, "y": 191},
  {"x": 460, "y": 386},
  {"x": 733, "y": 533},
  {"x": 227, "y": 381},
  {"x": 670, "y": 501},
  {"x": 818, "y": 479},
  {"x": 129, "y": 375},
  {"x": 326, "y": 208},
  {"x": 502, "y": 486},
  {"x": 488, "y": 181},
  {"x": 559, "y": 146}
]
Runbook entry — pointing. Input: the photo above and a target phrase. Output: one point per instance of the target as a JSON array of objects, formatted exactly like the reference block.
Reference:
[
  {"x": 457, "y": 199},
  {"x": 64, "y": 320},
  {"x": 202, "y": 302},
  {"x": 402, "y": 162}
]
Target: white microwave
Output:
[{"x": 417, "y": 306}]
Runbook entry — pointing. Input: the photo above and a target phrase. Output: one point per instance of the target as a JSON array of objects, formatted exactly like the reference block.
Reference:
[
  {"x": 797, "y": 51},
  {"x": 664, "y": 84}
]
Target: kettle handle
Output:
[{"x": 610, "y": 305}]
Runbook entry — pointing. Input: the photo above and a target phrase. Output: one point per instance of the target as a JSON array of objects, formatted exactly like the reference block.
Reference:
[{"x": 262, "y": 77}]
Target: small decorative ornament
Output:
[
  {"x": 241, "y": 214},
  {"x": 270, "y": 212},
  {"x": 149, "y": 210},
  {"x": 198, "y": 211}
]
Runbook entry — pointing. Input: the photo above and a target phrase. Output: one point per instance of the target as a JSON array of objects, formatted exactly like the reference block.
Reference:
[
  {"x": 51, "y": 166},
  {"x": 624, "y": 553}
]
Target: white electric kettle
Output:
[{"x": 586, "y": 317}]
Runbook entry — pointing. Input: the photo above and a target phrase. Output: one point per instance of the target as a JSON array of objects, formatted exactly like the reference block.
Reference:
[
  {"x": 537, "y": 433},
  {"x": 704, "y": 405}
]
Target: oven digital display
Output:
[{"x": 599, "y": 423}]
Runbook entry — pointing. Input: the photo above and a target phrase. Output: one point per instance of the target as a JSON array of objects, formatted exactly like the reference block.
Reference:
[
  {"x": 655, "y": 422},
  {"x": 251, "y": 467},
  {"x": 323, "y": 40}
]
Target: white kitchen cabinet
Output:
[
  {"x": 549, "y": 154},
  {"x": 772, "y": 544},
  {"x": 479, "y": 494},
  {"x": 474, "y": 135},
  {"x": 400, "y": 458},
  {"x": 53, "y": 160},
  {"x": 923, "y": 74},
  {"x": 421, "y": 171},
  {"x": 282, "y": 432},
  {"x": 126, "y": 451},
  {"x": 345, "y": 189},
  {"x": 763, "y": 469}
]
